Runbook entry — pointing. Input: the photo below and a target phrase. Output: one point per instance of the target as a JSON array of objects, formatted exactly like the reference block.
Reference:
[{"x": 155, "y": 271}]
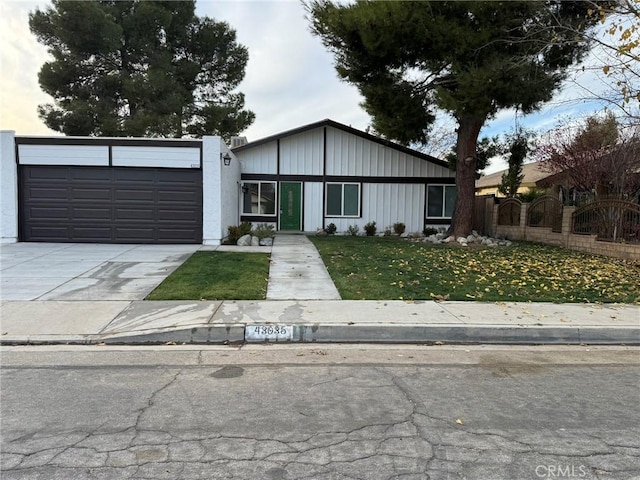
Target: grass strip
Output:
[{"x": 217, "y": 276}]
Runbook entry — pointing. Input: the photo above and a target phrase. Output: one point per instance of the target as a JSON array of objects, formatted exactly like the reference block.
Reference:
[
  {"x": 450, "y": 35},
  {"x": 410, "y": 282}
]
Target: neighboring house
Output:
[
  {"x": 327, "y": 172},
  {"x": 534, "y": 177},
  {"x": 133, "y": 190}
]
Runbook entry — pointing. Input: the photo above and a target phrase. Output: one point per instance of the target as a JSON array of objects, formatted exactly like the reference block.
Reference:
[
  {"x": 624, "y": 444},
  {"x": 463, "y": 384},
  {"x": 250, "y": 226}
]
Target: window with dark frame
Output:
[
  {"x": 441, "y": 200},
  {"x": 259, "y": 198},
  {"x": 342, "y": 200}
]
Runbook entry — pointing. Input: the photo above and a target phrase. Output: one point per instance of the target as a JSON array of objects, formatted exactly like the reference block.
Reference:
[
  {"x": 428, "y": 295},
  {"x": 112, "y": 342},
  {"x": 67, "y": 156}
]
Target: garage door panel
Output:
[
  {"x": 103, "y": 204},
  {"x": 177, "y": 197},
  {"x": 135, "y": 195},
  {"x": 138, "y": 214},
  {"x": 91, "y": 214},
  {"x": 91, "y": 194},
  {"x": 91, "y": 233},
  {"x": 47, "y": 194},
  {"x": 176, "y": 215},
  {"x": 50, "y": 234},
  {"x": 46, "y": 213}
]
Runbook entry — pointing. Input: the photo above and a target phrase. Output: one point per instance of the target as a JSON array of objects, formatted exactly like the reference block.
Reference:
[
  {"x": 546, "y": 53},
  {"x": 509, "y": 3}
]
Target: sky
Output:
[{"x": 290, "y": 79}]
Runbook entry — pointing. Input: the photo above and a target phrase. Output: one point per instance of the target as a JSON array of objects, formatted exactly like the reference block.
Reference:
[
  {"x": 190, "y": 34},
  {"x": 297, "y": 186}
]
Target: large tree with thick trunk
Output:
[
  {"x": 140, "y": 68},
  {"x": 468, "y": 58}
]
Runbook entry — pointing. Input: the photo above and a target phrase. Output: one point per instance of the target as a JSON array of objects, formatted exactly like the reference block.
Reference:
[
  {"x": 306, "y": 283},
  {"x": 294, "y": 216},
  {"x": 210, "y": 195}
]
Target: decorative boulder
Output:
[
  {"x": 266, "y": 242},
  {"x": 322, "y": 233},
  {"x": 255, "y": 241},
  {"x": 471, "y": 239},
  {"x": 244, "y": 241}
]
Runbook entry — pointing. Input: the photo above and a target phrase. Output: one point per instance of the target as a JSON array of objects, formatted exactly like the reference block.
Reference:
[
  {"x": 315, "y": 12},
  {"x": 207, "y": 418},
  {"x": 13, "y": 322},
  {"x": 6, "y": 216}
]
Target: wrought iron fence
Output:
[
  {"x": 509, "y": 212},
  {"x": 611, "y": 220},
  {"x": 545, "y": 211}
]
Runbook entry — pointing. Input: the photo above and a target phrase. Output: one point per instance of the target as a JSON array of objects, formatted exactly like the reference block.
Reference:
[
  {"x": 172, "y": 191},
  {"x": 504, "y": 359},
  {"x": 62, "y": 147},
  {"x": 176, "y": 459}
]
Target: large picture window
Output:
[
  {"x": 343, "y": 200},
  {"x": 440, "y": 201},
  {"x": 259, "y": 198}
]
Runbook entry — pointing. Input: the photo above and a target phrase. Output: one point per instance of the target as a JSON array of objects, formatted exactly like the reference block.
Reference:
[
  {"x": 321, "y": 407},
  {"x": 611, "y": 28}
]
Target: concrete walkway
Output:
[{"x": 297, "y": 271}]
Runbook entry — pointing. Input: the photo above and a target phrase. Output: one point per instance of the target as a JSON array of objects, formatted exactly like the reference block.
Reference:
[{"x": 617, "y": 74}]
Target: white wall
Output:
[
  {"x": 167, "y": 157},
  {"x": 220, "y": 187},
  {"x": 260, "y": 159},
  {"x": 348, "y": 154},
  {"x": 229, "y": 192},
  {"x": 313, "y": 208},
  {"x": 8, "y": 188},
  {"x": 93, "y": 155},
  {"x": 301, "y": 154},
  {"x": 386, "y": 204}
]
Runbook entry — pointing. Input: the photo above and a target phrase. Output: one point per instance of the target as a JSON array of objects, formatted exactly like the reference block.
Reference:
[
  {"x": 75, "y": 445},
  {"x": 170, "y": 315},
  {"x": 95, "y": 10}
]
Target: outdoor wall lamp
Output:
[
  {"x": 226, "y": 159},
  {"x": 245, "y": 188}
]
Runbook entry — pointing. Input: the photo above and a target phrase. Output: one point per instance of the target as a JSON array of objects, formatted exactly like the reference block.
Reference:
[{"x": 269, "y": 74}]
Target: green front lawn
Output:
[
  {"x": 217, "y": 276},
  {"x": 379, "y": 268}
]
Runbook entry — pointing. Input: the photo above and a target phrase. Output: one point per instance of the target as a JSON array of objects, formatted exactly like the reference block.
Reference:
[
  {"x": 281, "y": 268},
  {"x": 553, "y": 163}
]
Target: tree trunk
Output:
[{"x": 468, "y": 130}]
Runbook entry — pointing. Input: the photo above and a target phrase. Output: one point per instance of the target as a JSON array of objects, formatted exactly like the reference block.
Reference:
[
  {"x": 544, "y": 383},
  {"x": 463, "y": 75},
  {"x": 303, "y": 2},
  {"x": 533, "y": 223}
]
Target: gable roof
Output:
[
  {"x": 533, "y": 173},
  {"x": 344, "y": 128}
]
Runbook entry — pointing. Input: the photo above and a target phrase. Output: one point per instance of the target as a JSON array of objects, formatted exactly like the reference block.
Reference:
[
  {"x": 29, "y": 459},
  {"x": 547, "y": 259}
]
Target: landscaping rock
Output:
[
  {"x": 255, "y": 242},
  {"x": 471, "y": 238},
  {"x": 267, "y": 242},
  {"x": 244, "y": 241},
  {"x": 461, "y": 240},
  {"x": 404, "y": 235},
  {"x": 321, "y": 233},
  {"x": 448, "y": 240}
]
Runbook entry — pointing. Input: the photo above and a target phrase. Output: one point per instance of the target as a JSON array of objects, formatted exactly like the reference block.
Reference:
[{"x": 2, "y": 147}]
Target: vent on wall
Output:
[{"x": 238, "y": 141}]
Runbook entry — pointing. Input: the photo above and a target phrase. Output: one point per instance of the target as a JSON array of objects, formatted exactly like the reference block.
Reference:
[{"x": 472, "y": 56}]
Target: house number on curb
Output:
[{"x": 268, "y": 332}]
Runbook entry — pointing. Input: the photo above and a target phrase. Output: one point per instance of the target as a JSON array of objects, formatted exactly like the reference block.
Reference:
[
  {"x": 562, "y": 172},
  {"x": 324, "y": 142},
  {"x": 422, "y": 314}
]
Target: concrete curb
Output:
[{"x": 362, "y": 333}]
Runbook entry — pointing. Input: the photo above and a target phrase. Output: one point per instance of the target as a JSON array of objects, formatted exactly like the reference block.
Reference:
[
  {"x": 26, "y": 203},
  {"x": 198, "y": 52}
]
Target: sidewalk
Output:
[
  {"x": 145, "y": 322},
  {"x": 303, "y": 305}
]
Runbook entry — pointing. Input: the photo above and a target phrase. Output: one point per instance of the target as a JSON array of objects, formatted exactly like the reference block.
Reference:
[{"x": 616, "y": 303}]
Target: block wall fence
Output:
[{"x": 566, "y": 239}]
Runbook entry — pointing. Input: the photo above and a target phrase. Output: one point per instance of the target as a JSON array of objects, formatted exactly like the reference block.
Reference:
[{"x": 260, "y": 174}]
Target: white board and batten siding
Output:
[
  {"x": 350, "y": 155},
  {"x": 91, "y": 155},
  {"x": 302, "y": 154},
  {"x": 313, "y": 198},
  {"x": 263, "y": 159},
  {"x": 163, "y": 157}
]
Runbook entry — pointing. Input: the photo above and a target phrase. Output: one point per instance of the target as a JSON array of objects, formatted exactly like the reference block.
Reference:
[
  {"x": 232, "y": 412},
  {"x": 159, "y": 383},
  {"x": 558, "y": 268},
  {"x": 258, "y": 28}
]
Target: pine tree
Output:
[
  {"x": 139, "y": 68},
  {"x": 468, "y": 58}
]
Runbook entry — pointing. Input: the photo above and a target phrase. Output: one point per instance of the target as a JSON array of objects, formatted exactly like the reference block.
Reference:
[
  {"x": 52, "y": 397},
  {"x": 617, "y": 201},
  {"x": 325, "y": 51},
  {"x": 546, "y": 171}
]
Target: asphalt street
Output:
[{"x": 320, "y": 412}]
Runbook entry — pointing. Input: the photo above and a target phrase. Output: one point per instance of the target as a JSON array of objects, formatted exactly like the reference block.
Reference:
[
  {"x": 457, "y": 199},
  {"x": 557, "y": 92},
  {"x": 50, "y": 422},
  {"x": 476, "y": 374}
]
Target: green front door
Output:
[{"x": 291, "y": 206}]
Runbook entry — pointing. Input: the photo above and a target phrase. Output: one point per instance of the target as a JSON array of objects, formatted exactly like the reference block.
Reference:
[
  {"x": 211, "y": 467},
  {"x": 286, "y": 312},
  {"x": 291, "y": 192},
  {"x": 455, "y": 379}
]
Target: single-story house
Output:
[
  {"x": 133, "y": 190},
  {"x": 534, "y": 177}
]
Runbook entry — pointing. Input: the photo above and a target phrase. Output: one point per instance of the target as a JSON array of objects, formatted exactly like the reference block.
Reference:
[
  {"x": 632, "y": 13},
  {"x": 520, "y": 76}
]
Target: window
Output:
[
  {"x": 440, "y": 201},
  {"x": 343, "y": 200},
  {"x": 259, "y": 198}
]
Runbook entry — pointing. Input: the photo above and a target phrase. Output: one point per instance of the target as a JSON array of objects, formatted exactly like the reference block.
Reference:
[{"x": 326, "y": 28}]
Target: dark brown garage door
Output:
[{"x": 110, "y": 205}]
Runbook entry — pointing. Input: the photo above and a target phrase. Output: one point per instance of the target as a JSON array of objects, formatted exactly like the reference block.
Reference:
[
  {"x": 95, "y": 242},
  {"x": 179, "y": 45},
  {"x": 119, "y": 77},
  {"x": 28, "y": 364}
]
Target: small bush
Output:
[
  {"x": 370, "y": 229},
  {"x": 331, "y": 229},
  {"x": 233, "y": 234},
  {"x": 399, "y": 228},
  {"x": 245, "y": 228},
  {"x": 264, "y": 230},
  {"x": 429, "y": 231},
  {"x": 387, "y": 232},
  {"x": 353, "y": 230}
]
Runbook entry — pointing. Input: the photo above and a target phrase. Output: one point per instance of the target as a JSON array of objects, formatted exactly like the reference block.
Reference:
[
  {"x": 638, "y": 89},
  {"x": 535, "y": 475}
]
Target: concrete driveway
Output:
[{"x": 72, "y": 271}]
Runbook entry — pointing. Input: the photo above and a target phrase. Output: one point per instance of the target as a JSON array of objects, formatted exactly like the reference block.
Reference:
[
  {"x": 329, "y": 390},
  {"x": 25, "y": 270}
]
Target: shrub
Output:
[
  {"x": 331, "y": 229},
  {"x": 387, "y": 232},
  {"x": 370, "y": 229},
  {"x": 429, "y": 231},
  {"x": 264, "y": 230},
  {"x": 234, "y": 232},
  {"x": 399, "y": 228},
  {"x": 245, "y": 228},
  {"x": 353, "y": 230}
]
